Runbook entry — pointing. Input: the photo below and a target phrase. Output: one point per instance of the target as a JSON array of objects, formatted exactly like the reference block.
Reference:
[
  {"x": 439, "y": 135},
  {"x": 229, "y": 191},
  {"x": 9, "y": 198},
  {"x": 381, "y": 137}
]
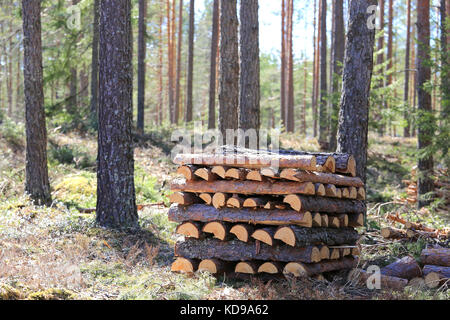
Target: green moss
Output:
[
  {"x": 9, "y": 293},
  {"x": 53, "y": 294}
]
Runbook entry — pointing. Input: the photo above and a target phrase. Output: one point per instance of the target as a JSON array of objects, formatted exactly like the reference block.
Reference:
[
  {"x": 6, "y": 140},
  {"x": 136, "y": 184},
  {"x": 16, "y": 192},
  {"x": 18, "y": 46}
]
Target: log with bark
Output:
[
  {"x": 205, "y": 174},
  {"x": 185, "y": 265},
  {"x": 323, "y": 204},
  {"x": 219, "y": 229},
  {"x": 265, "y": 235},
  {"x": 240, "y": 251},
  {"x": 242, "y": 231},
  {"x": 271, "y": 267},
  {"x": 236, "y": 173},
  {"x": 361, "y": 276},
  {"x": 436, "y": 275},
  {"x": 248, "y": 267},
  {"x": 215, "y": 266},
  {"x": 343, "y": 219},
  {"x": 393, "y": 233},
  {"x": 300, "y": 269},
  {"x": 298, "y": 236},
  {"x": 437, "y": 256},
  {"x": 183, "y": 198},
  {"x": 190, "y": 229},
  {"x": 187, "y": 172},
  {"x": 204, "y": 213},
  {"x": 243, "y": 187},
  {"x": 406, "y": 268},
  {"x": 317, "y": 177},
  {"x": 235, "y": 201}
]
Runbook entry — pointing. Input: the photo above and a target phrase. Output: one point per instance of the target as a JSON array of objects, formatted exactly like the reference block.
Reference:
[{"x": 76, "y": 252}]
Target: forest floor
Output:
[{"x": 58, "y": 252}]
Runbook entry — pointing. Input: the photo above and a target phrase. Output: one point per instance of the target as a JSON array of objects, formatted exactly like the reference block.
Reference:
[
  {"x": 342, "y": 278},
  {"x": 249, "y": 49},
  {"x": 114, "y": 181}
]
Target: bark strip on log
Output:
[
  {"x": 361, "y": 276},
  {"x": 204, "y": 213},
  {"x": 436, "y": 275},
  {"x": 300, "y": 269},
  {"x": 406, "y": 268},
  {"x": 323, "y": 204},
  {"x": 240, "y": 251},
  {"x": 438, "y": 257}
]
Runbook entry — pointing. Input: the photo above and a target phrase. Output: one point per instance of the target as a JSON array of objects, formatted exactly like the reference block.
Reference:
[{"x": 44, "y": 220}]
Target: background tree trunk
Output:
[
  {"x": 283, "y": 64},
  {"x": 116, "y": 202},
  {"x": 337, "y": 58},
  {"x": 36, "y": 171},
  {"x": 229, "y": 67},
  {"x": 425, "y": 118},
  {"x": 190, "y": 73},
  {"x": 323, "y": 79},
  {"x": 445, "y": 69},
  {"x": 178, "y": 76},
  {"x": 290, "y": 70},
  {"x": 357, "y": 74},
  {"x": 212, "y": 72},
  {"x": 406, "y": 129},
  {"x": 94, "y": 65},
  {"x": 249, "y": 115},
  {"x": 141, "y": 64}
]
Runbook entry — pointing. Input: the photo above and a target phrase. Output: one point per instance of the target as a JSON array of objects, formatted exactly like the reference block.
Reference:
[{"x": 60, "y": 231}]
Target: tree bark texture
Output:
[
  {"x": 141, "y": 63},
  {"x": 190, "y": 73},
  {"x": 212, "y": 69}
]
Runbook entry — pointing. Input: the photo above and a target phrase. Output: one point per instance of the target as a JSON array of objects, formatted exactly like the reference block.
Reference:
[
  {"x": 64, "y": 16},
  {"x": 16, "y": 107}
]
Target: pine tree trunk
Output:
[
  {"x": 159, "y": 106},
  {"x": 190, "y": 74},
  {"x": 249, "y": 114},
  {"x": 141, "y": 64},
  {"x": 229, "y": 68},
  {"x": 170, "y": 85},
  {"x": 283, "y": 65},
  {"x": 290, "y": 69},
  {"x": 317, "y": 69},
  {"x": 178, "y": 75},
  {"x": 357, "y": 74},
  {"x": 9, "y": 79},
  {"x": 406, "y": 129},
  {"x": 380, "y": 61},
  {"x": 303, "y": 116},
  {"x": 445, "y": 68},
  {"x": 36, "y": 172},
  {"x": 116, "y": 203},
  {"x": 425, "y": 119},
  {"x": 337, "y": 57},
  {"x": 323, "y": 78},
  {"x": 212, "y": 69},
  {"x": 94, "y": 64}
]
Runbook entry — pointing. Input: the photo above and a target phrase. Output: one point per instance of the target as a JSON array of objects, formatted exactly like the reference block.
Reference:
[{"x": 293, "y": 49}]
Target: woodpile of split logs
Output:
[
  {"x": 238, "y": 213},
  {"x": 432, "y": 271}
]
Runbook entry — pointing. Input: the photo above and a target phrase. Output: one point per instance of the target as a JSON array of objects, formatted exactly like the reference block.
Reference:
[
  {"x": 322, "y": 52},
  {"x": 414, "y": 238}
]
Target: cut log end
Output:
[
  {"x": 219, "y": 200},
  {"x": 324, "y": 253},
  {"x": 270, "y": 267},
  {"x": 205, "y": 173},
  {"x": 319, "y": 189},
  {"x": 213, "y": 266},
  {"x": 432, "y": 280},
  {"x": 356, "y": 220},
  {"x": 246, "y": 267},
  {"x": 296, "y": 269},
  {"x": 189, "y": 229},
  {"x": 294, "y": 201},
  {"x": 184, "y": 265},
  {"x": 242, "y": 232},
  {"x": 316, "y": 220},
  {"x": 236, "y": 173},
  {"x": 254, "y": 202},
  {"x": 217, "y": 228},
  {"x": 235, "y": 202},
  {"x": 254, "y": 175},
  {"x": 361, "y": 194},
  {"x": 183, "y": 198},
  {"x": 264, "y": 236},
  {"x": 286, "y": 235},
  {"x": 219, "y": 170},
  {"x": 187, "y": 172}
]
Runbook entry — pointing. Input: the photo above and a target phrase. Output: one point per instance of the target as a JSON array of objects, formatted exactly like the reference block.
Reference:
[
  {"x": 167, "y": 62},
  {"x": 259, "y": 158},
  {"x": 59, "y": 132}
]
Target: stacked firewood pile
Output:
[
  {"x": 239, "y": 215},
  {"x": 432, "y": 270}
]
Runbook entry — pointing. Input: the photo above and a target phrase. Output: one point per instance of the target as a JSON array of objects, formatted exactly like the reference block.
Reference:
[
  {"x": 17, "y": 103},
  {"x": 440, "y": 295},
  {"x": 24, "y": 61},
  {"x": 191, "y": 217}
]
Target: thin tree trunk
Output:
[
  {"x": 18, "y": 79},
  {"x": 445, "y": 69},
  {"x": 141, "y": 64},
  {"x": 357, "y": 74},
  {"x": 249, "y": 114},
  {"x": 337, "y": 57},
  {"x": 170, "y": 86},
  {"x": 406, "y": 129},
  {"x": 9, "y": 81},
  {"x": 380, "y": 61},
  {"x": 425, "y": 120},
  {"x": 159, "y": 106},
  {"x": 414, "y": 80},
  {"x": 290, "y": 70},
  {"x": 283, "y": 65},
  {"x": 116, "y": 202},
  {"x": 229, "y": 68},
  {"x": 94, "y": 63},
  {"x": 389, "y": 56},
  {"x": 323, "y": 141},
  {"x": 190, "y": 75},
  {"x": 36, "y": 171},
  {"x": 212, "y": 69},
  {"x": 305, "y": 78},
  {"x": 317, "y": 68},
  {"x": 178, "y": 76}
]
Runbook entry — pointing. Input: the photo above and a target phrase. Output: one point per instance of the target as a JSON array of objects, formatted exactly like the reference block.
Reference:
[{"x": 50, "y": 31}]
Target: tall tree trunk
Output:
[
  {"x": 141, "y": 64},
  {"x": 290, "y": 70},
  {"x": 159, "y": 106},
  {"x": 2, "y": 71},
  {"x": 190, "y": 74},
  {"x": 323, "y": 141},
  {"x": 357, "y": 74},
  {"x": 36, "y": 171},
  {"x": 170, "y": 85},
  {"x": 18, "y": 94},
  {"x": 283, "y": 65},
  {"x": 116, "y": 202},
  {"x": 229, "y": 68},
  {"x": 72, "y": 102},
  {"x": 380, "y": 61},
  {"x": 414, "y": 81},
  {"x": 178, "y": 76},
  {"x": 425, "y": 118},
  {"x": 337, "y": 58},
  {"x": 389, "y": 55},
  {"x": 212, "y": 69},
  {"x": 303, "y": 115},
  {"x": 317, "y": 70},
  {"x": 94, "y": 64},
  {"x": 9, "y": 81},
  {"x": 445, "y": 69},
  {"x": 407, "y": 128},
  {"x": 249, "y": 114}
]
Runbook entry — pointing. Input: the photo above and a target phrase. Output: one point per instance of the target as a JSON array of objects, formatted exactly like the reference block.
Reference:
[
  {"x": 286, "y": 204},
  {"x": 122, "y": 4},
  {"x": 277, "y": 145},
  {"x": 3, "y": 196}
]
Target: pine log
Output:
[
  {"x": 356, "y": 220},
  {"x": 214, "y": 266},
  {"x": 418, "y": 283},
  {"x": 236, "y": 173},
  {"x": 322, "y": 177},
  {"x": 324, "y": 252},
  {"x": 289, "y": 174},
  {"x": 356, "y": 251},
  {"x": 204, "y": 213},
  {"x": 243, "y": 187},
  {"x": 300, "y": 269},
  {"x": 187, "y": 172},
  {"x": 219, "y": 171},
  {"x": 324, "y": 220},
  {"x": 235, "y": 201},
  {"x": 335, "y": 254},
  {"x": 248, "y": 267},
  {"x": 219, "y": 229},
  {"x": 328, "y": 163},
  {"x": 415, "y": 234},
  {"x": 393, "y": 233},
  {"x": 330, "y": 190},
  {"x": 438, "y": 257},
  {"x": 206, "y": 174},
  {"x": 406, "y": 268},
  {"x": 240, "y": 251},
  {"x": 184, "y": 265},
  {"x": 219, "y": 199},
  {"x": 316, "y": 220},
  {"x": 270, "y": 173},
  {"x": 272, "y": 204},
  {"x": 255, "y": 175},
  {"x": 361, "y": 276},
  {"x": 271, "y": 267},
  {"x": 338, "y": 193},
  {"x": 361, "y": 194},
  {"x": 242, "y": 231},
  {"x": 343, "y": 219},
  {"x": 252, "y": 161},
  {"x": 343, "y": 252},
  {"x": 333, "y": 222},
  {"x": 206, "y": 197},
  {"x": 183, "y": 198},
  {"x": 320, "y": 189},
  {"x": 264, "y": 235},
  {"x": 255, "y": 202},
  {"x": 323, "y": 204},
  {"x": 300, "y": 237},
  {"x": 353, "y": 193},
  {"x": 345, "y": 193},
  {"x": 189, "y": 229},
  {"x": 436, "y": 275}
]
